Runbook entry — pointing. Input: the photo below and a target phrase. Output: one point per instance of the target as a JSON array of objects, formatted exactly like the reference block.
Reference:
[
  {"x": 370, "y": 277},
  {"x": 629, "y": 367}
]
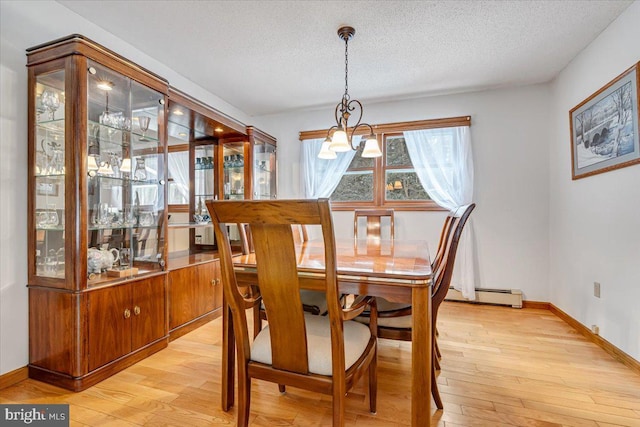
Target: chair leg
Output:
[
  {"x": 373, "y": 384},
  {"x": 436, "y": 363},
  {"x": 434, "y": 389},
  {"x": 244, "y": 396},
  {"x": 437, "y": 349},
  {"x": 339, "y": 392},
  {"x": 282, "y": 388}
]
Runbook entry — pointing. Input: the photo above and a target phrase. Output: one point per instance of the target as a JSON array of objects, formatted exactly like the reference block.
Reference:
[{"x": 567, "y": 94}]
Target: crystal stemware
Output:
[
  {"x": 143, "y": 122},
  {"x": 50, "y": 101}
]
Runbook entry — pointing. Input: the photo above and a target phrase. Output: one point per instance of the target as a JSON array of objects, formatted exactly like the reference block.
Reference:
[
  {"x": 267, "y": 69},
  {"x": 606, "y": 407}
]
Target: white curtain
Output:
[
  {"x": 321, "y": 176},
  {"x": 443, "y": 162}
]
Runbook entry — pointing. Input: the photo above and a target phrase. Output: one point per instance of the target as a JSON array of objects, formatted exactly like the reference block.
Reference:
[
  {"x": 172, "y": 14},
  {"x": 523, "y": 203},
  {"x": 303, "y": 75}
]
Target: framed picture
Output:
[
  {"x": 604, "y": 127},
  {"x": 47, "y": 189}
]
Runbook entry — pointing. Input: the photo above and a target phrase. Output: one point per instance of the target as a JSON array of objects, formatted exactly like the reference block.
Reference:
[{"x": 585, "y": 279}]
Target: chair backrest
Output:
[
  {"x": 374, "y": 219},
  {"x": 445, "y": 258},
  {"x": 270, "y": 222},
  {"x": 300, "y": 235}
]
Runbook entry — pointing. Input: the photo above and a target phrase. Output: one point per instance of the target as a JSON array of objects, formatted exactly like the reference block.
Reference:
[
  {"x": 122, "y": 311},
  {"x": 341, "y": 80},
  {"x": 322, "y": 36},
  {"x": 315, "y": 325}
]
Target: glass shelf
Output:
[
  {"x": 56, "y": 125},
  {"x": 120, "y": 227},
  {"x": 113, "y": 130},
  {"x": 51, "y": 176},
  {"x": 191, "y": 225},
  {"x": 123, "y": 181}
]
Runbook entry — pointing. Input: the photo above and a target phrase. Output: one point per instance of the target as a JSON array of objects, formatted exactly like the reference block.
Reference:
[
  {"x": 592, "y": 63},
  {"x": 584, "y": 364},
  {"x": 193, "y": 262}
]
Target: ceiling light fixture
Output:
[{"x": 339, "y": 138}]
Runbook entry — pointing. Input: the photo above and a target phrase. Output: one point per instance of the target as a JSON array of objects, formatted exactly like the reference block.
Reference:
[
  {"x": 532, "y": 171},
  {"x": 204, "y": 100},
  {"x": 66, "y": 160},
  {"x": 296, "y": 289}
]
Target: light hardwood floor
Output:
[{"x": 500, "y": 367}]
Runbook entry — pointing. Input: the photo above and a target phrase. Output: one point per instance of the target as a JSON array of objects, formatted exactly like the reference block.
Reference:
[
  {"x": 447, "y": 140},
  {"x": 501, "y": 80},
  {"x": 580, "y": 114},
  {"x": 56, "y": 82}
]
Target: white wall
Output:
[
  {"x": 25, "y": 24},
  {"x": 595, "y": 221},
  {"x": 509, "y": 136}
]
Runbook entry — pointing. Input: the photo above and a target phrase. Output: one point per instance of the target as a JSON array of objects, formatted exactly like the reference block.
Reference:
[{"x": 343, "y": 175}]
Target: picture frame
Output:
[
  {"x": 604, "y": 127},
  {"x": 47, "y": 189}
]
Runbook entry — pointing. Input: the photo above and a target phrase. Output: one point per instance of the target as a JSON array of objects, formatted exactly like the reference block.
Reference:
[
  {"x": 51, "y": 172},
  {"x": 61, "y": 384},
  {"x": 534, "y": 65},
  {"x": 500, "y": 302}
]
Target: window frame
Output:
[{"x": 384, "y": 131}]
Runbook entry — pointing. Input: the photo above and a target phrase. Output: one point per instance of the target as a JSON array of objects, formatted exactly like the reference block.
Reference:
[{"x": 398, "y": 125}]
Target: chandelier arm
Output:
[
  {"x": 330, "y": 131},
  {"x": 353, "y": 132},
  {"x": 338, "y": 113}
]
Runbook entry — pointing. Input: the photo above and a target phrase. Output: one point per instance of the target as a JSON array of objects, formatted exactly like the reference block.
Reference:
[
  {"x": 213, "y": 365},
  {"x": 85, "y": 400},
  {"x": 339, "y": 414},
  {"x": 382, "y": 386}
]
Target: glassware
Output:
[
  {"x": 51, "y": 262},
  {"x": 51, "y": 102},
  {"x": 129, "y": 217},
  {"x": 52, "y": 213},
  {"x": 103, "y": 214},
  {"x": 143, "y": 122},
  {"x": 140, "y": 172},
  {"x": 94, "y": 216},
  {"x": 42, "y": 219},
  {"x": 146, "y": 219},
  {"x": 60, "y": 259},
  {"x": 125, "y": 257}
]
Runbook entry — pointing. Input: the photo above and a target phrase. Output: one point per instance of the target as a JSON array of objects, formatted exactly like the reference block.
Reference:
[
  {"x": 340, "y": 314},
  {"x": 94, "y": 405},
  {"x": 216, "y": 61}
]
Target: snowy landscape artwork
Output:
[{"x": 604, "y": 127}]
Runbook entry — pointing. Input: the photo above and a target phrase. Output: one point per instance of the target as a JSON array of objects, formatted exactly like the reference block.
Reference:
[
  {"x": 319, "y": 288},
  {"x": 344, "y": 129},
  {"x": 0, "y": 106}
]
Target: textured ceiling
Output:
[{"x": 272, "y": 56}]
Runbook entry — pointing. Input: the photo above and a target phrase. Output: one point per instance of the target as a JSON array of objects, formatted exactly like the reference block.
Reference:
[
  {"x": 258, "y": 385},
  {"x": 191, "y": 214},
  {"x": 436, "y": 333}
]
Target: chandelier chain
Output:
[{"x": 346, "y": 68}]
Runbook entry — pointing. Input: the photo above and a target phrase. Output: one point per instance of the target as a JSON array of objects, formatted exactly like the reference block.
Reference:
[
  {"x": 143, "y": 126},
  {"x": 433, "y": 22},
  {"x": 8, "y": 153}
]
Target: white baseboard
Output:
[{"x": 512, "y": 297}]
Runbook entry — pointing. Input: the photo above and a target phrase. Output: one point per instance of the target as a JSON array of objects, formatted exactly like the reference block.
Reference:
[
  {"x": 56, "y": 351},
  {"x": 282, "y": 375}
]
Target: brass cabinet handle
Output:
[
  {"x": 136, "y": 310},
  {"x": 127, "y": 313},
  {"x": 215, "y": 282}
]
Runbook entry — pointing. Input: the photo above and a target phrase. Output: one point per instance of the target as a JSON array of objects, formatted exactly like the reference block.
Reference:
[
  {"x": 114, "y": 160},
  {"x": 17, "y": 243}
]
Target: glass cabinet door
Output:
[
  {"x": 49, "y": 170},
  {"x": 204, "y": 189},
  {"x": 125, "y": 187},
  {"x": 233, "y": 180},
  {"x": 264, "y": 170}
]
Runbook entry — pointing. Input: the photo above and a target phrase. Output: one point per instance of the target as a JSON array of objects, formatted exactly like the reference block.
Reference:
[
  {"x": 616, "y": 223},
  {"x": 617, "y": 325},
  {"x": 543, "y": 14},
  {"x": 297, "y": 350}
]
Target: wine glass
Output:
[
  {"x": 140, "y": 173},
  {"x": 143, "y": 122},
  {"x": 51, "y": 101}
]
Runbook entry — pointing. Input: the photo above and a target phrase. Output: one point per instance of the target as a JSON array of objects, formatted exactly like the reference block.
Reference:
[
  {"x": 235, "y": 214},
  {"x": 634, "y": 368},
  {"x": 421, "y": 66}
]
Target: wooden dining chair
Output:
[
  {"x": 374, "y": 219},
  {"x": 313, "y": 302},
  {"x": 326, "y": 354},
  {"x": 394, "y": 319}
]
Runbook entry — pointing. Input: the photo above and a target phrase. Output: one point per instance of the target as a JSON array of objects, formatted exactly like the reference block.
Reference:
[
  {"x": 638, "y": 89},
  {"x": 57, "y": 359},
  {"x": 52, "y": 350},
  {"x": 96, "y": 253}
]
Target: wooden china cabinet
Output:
[
  {"x": 211, "y": 156},
  {"x": 96, "y": 212},
  {"x": 121, "y": 252}
]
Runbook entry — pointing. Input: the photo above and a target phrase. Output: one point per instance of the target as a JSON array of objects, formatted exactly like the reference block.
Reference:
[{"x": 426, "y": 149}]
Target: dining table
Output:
[{"x": 397, "y": 270}]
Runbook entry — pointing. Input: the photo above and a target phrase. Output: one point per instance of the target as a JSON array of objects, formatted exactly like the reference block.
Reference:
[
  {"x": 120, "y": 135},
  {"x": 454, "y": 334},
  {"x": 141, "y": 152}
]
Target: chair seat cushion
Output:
[
  {"x": 316, "y": 299},
  {"x": 400, "y": 322},
  {"x": 384, "y": 305},
  {"x": 356, "y": 338}
]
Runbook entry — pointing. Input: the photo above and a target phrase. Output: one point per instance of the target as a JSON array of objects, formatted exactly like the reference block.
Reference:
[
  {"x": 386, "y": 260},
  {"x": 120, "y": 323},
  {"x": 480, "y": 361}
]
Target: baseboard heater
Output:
[{"x": 512, "y": 297}]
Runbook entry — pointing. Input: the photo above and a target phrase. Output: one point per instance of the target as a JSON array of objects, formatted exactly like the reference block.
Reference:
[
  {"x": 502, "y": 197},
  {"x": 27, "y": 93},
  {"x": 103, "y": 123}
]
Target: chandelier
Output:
[{"x": 339, "y": 137}]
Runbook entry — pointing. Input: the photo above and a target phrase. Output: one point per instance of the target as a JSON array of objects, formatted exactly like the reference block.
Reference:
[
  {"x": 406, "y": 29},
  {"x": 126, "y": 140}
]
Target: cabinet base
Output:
[
  {"x": 185, "y": 328},
  {"x": 102, "y": 373}
]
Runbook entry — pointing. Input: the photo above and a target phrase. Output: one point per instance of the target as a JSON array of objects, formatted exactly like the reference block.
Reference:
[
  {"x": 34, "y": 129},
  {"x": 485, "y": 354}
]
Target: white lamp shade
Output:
[
  {"x": 325, "y": 152},
  {"x": 125, "y": 166},
  {"x": 105, "y": 169},
  {"x": 92, "y": 165},
  {"x": 339, "y": 141},
  {"x": 371, "y": 148}
]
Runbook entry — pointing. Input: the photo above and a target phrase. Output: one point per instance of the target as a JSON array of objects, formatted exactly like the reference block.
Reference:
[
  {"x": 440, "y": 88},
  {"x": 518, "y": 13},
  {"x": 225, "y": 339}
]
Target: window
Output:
[{"x": 390, "y": 181}]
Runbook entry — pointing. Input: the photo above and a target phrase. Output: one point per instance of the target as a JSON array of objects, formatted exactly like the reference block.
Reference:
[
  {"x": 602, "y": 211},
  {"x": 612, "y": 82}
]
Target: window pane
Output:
[
  {"x": 404, "y": 185},
  {"x": 359, "y": 162},
  {"x": 396, "y": 153},
  {"x": 354, "y": 186}
]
